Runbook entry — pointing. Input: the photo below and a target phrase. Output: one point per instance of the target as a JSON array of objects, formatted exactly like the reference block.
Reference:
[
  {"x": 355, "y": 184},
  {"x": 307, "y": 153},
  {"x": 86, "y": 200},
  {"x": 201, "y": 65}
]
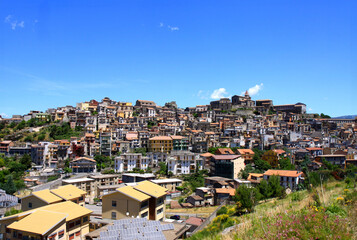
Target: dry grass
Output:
[
  {"x": 202, "y": 211},
  {"x": 275, "y": 206}
]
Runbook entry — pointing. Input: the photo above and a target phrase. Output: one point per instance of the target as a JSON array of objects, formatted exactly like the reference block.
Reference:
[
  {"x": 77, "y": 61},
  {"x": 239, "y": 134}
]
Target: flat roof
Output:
[
  {"x": 76, "y": 180},
  {"x": 167, "y": 180},
  {"x": 144, "y": 175}
]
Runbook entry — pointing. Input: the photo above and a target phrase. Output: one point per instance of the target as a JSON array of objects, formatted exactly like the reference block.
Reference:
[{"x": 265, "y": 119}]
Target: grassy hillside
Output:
[{"x": 326, "y": 212}]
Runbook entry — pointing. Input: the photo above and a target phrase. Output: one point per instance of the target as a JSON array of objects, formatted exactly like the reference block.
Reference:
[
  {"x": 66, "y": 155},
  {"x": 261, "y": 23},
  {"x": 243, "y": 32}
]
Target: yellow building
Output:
[
  {"x": 64, "y": 220},
  {"x": 146, "y": 200},
  {"x": 271, "y": 157},
  {"x": 160, "y": 144},
  {"x": 83, "y": 106},
  {"x": 47, "y": 197}
]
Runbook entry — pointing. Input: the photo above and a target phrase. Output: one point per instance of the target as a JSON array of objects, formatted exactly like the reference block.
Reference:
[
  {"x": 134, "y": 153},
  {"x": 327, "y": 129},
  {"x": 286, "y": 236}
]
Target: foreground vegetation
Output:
[
  {"x": 12, "y": 171},
  {"x": 324, "y": 212}
]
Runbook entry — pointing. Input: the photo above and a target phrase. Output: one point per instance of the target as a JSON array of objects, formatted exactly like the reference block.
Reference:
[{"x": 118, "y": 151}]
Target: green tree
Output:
[
  {"x": 26, "y": 161},
  {"x": 9, "y": 185},
  {"x": 245, "y": 172},
  {"x": 163, "y": 168},
  {"x": 264, "y": 189},
  {"x": 67, "y": 170},
  {"x": 285, "y": 164},
  {"x": 140, "y": 150},
  {"x": 247, "y": 198},
  {"x": 275, "y": 189},
  {"x": 28, "y": 138}
]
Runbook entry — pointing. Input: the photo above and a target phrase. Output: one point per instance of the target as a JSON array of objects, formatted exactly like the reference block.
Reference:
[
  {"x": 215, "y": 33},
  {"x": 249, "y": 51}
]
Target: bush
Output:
[
  {"x": 296, "y": 197},
  {"x": 12, "y": 211},
  {"x": 222, "y": 210}
]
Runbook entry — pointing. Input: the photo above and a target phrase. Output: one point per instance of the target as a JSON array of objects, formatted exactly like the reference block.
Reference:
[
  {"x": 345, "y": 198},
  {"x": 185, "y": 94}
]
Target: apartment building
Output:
[
  {"x": 47, "y": 197},
  {"x": 129, "y": 161},
  {"x": 83, "y": 165},
  {"x": 64, "y": 220},
  {"x": 184, "y": 162},
  {"x": 227, "y": 166},
  {"x": 144, "y": 200},
  {"x": 160, "y": 144}
]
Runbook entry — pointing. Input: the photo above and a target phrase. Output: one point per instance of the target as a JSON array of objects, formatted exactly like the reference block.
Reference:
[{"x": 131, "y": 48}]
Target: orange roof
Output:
[
  {"x": 83, "y": 158},
  {"x": 313, "y": 149},
  {"x": 285, "y": 173},
  {"x": 245, "y": 151},
  {"x": 177, "y": 137},
  {"x": 161, "y": 138},
  {"x": 224, "y": 151},
  {"x": 279, "y": 151},
  {"x": 206, "y": 155},
  {"x": 230, "y": 191}
]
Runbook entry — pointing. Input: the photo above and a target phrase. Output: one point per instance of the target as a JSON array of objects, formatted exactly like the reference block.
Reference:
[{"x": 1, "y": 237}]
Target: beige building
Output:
[
  {"x": 146, "y": 200},
  {"x": 64, "y": 220},
  {"x": 48, "y": 197},
  {"x": 170, "y": 183},
  {"x": 91, "y": 184}
]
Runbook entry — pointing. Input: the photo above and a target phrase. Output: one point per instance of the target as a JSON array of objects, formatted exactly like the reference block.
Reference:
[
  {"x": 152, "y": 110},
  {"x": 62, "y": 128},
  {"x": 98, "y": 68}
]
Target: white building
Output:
[
  {"x": 128, "y": 161},
  {"x": 184, "y": 162},
  {"x": 288, "y": 178}
]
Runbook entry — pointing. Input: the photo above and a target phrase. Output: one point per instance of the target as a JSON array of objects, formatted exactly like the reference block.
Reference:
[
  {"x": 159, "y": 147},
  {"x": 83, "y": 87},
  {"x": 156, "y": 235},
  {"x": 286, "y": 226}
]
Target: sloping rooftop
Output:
[
  {"x": 39, "y": 222},
  {"x": 151, "y": 189},
  {"x": 68, "y": 192},
  {"x": 133, "y": 193},
  {"x": 47, "y": 196}
]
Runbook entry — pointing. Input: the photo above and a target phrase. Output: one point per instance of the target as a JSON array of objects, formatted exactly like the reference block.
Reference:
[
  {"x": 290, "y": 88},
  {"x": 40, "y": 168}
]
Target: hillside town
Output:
[{"x": 116, "y": 170}]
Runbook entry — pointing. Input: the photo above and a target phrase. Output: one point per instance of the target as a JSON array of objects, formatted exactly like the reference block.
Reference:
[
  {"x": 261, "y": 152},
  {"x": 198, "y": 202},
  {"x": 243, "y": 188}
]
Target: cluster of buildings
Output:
[{"x": 179, "y": 136}]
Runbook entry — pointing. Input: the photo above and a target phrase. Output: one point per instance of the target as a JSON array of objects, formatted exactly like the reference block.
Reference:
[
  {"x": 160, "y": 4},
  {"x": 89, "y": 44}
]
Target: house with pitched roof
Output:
[
  {"x": 145, "y": 200},
  {"x": 64, "y": 220},
  {"x": 47, "y": 197},
  {"x": 288, "y": 178}
]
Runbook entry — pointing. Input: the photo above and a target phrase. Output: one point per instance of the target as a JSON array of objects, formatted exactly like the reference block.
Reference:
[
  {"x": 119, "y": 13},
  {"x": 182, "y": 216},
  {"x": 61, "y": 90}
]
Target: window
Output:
[
  {"x": 61, "y": 234},
  {"x": 160, "y": 201},
  {"x": 78, "y": 233},
  {"x": 144, "y": 204},
  {"x": 114, "y": 203},
  {"x": 71, "y": 236},
  {"x": 81, "y": 198},
  {"x": 85, "y": 219},
  {"x": 30, "y": 204},
  {"x": 78, "y": 222},
  {"x": 71, "y": 225},
  {"x": 145, "y": 214},
  {"x": 160, "y": 211},
  {"x": 114, "y": 215}
]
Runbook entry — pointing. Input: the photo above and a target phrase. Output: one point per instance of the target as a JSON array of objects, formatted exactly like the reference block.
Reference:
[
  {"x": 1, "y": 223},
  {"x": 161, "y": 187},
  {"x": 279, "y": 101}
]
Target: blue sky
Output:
[{"x": 57, "y": 53}]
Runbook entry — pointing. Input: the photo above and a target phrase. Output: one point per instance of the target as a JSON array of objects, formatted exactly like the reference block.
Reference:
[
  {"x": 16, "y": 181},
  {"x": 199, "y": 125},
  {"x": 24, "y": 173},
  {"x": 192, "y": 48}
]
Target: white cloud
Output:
[
  {"x": 8, "y": 18},
  {"x": 219, "y": 93},
  {"x": 310, "y": 109},
  {"x": 203, "y": 94},
  {"x": 173, "y": 28},
  {"x": 21, "y": 24},
  {"x": 162, "y": 24},
  {"x": 254, "y": 90},
  {"x": 14, "y": 23},
  {"x": 4, "y": 115}
]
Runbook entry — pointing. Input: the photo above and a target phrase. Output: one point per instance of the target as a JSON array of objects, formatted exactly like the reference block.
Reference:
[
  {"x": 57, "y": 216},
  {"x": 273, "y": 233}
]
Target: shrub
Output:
[
  {"x": 222, "y": 210},
  {"x": 296, "y": 197}
]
